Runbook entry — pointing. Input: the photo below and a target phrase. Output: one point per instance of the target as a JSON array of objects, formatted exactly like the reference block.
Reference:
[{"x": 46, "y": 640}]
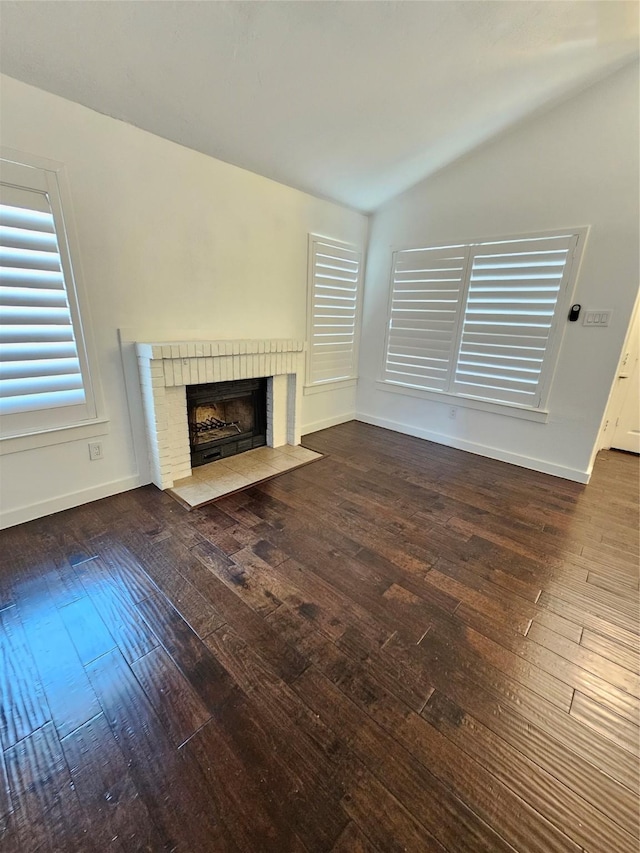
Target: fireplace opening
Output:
[{"x": 226, "y": 418}]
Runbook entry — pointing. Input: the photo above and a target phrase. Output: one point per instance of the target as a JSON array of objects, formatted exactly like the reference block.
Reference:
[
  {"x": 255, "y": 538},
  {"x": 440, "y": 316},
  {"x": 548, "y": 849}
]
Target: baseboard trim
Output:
[
  {"x": 530, "y": 462},
  {"x": 105, "y": 490},
  {"x": 316, "y": 426}
]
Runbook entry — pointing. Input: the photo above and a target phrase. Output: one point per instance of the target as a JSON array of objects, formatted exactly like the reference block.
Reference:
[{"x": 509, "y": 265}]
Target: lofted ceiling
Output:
[{"x": 352, "y": 101}]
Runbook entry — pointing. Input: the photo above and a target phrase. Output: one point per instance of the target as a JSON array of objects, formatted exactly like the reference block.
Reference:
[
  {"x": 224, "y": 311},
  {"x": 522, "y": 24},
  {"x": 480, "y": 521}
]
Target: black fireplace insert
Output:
[{"x": 226, "y": 418}]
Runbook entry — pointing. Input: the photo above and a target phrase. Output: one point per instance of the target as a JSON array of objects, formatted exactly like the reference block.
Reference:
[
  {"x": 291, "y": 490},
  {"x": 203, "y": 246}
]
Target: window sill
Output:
[
  {"x": 508, "y": 409},
  {"x": 50, "y": 437},
  {"x": 333, "y": 385}
]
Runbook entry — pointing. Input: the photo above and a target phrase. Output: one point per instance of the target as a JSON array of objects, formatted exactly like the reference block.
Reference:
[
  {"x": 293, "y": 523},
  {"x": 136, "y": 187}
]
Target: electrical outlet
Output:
[
  {"x": 453, "y": 413},
  {"x": 95, "y": 451}
]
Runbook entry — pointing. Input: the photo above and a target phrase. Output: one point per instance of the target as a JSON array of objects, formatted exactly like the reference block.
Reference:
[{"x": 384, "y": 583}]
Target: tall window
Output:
[
  {"x": 44, "y": 377},
  {"x": 480, "y": 320},
  {"x": 334, "y": 293}
]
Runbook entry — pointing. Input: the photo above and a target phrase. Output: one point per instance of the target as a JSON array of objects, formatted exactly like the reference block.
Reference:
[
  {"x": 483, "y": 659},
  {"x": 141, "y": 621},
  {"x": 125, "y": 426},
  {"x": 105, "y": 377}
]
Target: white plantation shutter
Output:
[
  {"x": 41, "y": 370},
  {"x": 478, "y": 320},
  {"x": 427, "y": 287},
  {"x": 512, "y": 302},
  {"x": 334, "y": 309}
]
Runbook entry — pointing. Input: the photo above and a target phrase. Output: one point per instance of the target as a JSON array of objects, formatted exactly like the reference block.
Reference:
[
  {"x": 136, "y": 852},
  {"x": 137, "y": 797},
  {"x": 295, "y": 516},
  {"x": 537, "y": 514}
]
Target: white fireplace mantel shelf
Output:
[
  {"x": 167, "y": 367},
  {"x": 215, "y": 349}
]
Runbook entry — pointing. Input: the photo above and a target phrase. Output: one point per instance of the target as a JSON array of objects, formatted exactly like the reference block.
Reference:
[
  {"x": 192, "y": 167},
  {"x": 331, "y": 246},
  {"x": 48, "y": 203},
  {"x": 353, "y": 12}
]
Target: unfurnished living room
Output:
[{"x": 319, "y": 426}]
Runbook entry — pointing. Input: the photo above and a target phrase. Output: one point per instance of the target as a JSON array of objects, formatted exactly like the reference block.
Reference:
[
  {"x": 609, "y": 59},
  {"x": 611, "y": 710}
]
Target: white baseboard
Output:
[
  {"x": 83, "y": 496},
  {"x": 480, "y": 449},
  {"x": 325, "y": 423}
]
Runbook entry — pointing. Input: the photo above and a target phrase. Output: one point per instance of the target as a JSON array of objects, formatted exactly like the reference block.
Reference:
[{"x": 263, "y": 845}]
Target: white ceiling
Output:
[{"x": 353, "y": 101}]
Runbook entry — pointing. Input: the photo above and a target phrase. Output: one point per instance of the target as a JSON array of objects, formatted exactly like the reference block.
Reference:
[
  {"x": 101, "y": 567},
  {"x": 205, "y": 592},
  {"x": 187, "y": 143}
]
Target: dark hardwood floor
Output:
[{"x": 401, "y": 647}]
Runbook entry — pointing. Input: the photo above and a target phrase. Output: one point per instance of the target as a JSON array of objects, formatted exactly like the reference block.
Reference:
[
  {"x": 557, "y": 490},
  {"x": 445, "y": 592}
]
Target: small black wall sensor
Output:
[{"x": 574, "y": 313}]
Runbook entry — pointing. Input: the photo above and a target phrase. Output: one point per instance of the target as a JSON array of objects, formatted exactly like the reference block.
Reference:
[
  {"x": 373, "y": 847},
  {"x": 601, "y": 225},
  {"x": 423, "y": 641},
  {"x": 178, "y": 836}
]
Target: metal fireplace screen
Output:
[{"x": 226, "y": 418}]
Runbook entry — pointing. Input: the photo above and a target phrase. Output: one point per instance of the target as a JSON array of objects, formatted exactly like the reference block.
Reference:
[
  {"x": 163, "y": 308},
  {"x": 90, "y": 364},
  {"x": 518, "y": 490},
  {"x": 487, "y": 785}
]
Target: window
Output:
[
  {"x": 44, "y": 377},
  {"x": 479, "y": 320},
  {"x": 335, "y": 273}
]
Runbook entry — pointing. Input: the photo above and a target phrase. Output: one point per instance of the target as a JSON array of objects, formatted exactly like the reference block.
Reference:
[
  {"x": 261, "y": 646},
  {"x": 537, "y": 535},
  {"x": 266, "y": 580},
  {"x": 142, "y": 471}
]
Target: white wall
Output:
[
  {"x": 168, "y": 238},
  {"x": 574, "y": 165}
]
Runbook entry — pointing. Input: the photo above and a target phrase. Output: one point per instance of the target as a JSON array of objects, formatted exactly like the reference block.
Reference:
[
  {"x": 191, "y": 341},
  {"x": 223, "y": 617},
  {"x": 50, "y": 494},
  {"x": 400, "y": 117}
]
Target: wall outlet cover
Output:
[
  {"x": 95, "y": 450},
  {"x": 597, "y": 317}
]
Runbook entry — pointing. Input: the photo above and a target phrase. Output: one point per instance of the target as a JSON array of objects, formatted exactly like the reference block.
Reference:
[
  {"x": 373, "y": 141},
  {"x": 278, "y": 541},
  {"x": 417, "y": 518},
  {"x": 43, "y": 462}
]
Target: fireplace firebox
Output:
[{"x": 226, "y": 418}]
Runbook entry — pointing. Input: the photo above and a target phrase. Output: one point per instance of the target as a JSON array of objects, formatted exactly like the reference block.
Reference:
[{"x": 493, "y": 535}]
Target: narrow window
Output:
[
  {"x": 44, "y": 378},
  {"x": 334, "y": 288}
]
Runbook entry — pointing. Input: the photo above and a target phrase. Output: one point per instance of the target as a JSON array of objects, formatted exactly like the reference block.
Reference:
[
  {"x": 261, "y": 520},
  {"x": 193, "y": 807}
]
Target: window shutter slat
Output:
[
  {"x": 11, "y": 277},
  {"x": 38, "y": 367},
  {"x": 27, "y": 259},
  {"x": 22, "y": 351},
  {"x": 32, "y": 296},
  {"x": 335, "y": 274},
  {"x": 425, "y": 301},
  {"x": 36, "y": 402},
  {"x": 36, "y": 334},
  {"x": 40, "y": 384},
  {"x": 22, "y": 207},
  {"x": 26, "y": 238},
  {"x": 34, "y": 315}
]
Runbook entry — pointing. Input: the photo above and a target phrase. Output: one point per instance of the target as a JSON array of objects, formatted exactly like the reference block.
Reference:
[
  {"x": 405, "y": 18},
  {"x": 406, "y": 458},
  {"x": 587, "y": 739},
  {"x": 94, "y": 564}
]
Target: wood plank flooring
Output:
[{"x": 402, "y": 647}]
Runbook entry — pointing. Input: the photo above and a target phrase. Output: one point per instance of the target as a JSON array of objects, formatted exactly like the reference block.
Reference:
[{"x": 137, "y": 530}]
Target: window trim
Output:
[
  {"x": 311, "y": 387},
  {"x": 444, "y": 397},
  {"x": 49, "y": 437},
  {"x": 42, "y": 430},
  {"x": 556, "y": 336},
  {"x": 330, "y": 385}
]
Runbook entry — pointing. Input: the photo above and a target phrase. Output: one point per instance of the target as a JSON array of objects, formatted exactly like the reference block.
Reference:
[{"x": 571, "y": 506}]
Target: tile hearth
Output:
[{"x": 217, "y": 479}]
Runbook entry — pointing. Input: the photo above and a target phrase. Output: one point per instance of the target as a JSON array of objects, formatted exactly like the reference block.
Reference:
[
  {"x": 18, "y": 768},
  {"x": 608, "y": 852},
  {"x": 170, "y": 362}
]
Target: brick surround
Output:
[{"x": 167, "y": 368}]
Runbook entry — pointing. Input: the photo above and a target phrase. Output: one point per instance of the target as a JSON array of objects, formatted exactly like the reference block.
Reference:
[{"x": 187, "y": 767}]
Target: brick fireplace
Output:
[{"x": 166, "y": 369}]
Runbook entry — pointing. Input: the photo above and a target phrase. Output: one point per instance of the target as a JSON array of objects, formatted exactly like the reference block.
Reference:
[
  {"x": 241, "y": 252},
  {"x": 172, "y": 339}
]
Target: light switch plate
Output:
[{"x": 597, "y": 317}]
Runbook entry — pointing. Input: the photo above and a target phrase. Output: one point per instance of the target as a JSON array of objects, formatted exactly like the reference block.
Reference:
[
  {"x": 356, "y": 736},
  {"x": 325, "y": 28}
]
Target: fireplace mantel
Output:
[
  {"x": 171, "y": 350},
  {"x": 167, "y": 367}
]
